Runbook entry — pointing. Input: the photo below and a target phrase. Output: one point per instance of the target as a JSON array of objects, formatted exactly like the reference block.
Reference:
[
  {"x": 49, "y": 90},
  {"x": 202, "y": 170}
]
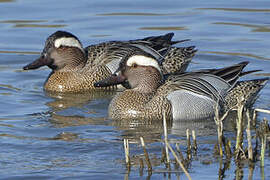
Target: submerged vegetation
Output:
[{"x": 246, "y": 149}]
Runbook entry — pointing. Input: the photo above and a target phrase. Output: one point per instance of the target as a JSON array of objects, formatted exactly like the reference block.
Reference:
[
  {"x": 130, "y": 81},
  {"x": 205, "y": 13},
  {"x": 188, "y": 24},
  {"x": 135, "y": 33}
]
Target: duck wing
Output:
[
  {"x": 193, "y": 96},
  {"x": 204, "y": 85},
  {"x": 112, "y": 52},
  {"x": 230, "y": 74},
  {"x": 208, "y": 83},
  {"x": 177, "y": 59},
  {"x": 158, "y": 43}
]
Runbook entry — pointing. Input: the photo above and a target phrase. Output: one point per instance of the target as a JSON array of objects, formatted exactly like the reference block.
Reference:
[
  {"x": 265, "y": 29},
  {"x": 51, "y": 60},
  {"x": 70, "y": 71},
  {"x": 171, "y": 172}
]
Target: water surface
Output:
[{"x": 53, "y": 136}]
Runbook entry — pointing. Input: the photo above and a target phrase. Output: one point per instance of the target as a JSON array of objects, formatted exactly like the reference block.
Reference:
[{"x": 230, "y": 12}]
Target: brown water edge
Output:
[
  {"x": 18, "y": 52},
  {"x": 235, "y": 54},
  {"x": 225, "y": 152},
  {"x": 255, "y": 28},
  {"x": 236, "y": 9},
  {"x": 5, "y": 1},
  {"x": 32, "y": 24},
  {"x": 165, "y": 28},
  {"x": 138, "y": 14}
]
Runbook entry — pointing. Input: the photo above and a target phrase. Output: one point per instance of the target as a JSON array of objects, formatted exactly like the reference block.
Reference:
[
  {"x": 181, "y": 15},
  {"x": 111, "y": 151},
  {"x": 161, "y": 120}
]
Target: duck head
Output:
[
  {"x": 141, "y": 72},
  {"x": 61, "y": 49}
]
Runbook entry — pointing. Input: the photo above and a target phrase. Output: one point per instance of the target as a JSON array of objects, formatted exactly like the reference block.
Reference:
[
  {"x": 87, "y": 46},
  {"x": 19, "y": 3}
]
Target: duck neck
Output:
[
  {"x": 149, "y": 84},
  {"x": 76, "y": 59}
]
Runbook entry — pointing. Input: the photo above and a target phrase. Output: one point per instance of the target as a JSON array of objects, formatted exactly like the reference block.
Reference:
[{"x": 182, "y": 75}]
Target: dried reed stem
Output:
[
  {"x": 250, "y": 150},
  {"x": 126, "y": 147},
  {"x": 239, "y": 172},
  {"x": 188, "y": 144},
  {"x": 166, "y": 138},
  {"x": 195, "y": 147},
  {"x": 263, "y": 110},
  {"x": 239, "y": 126},
  {"x": 146, "y": 156},
  {"x": 179, "y": 152},
  {"x": 141, "y": 166},
  {"x": 178, "y": 161},
  {"x": 254, "y": 118},
  {"x": 250, "y": 171},
  {"x": 263, "y": 146},
  {"x": 262, "y": 174},
  {"x": 219, "y": 123}
]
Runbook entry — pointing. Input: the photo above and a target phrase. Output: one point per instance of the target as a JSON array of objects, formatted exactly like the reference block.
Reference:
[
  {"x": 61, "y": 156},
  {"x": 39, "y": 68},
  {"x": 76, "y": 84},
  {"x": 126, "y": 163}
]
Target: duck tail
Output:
[
  {"x": 249, "y": 72},
  {"x": 167, "y": 38},
  {"x": 164, "y": 39},
  {"x": 180, "y": 41},
  {"x": 231, "y": 73},
  {"x": 246, "y": 91}
]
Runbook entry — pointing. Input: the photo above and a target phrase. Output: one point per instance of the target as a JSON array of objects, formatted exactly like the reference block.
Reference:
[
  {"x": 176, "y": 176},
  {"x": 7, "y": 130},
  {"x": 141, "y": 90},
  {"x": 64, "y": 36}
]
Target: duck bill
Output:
[
  {"x": 111, "y": 81},
  {"x": 41, "y": 61}
]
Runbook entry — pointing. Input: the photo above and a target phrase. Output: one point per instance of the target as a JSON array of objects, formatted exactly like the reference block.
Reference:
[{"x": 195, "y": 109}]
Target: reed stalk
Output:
[
  {"x": 166, "y": 138},
  {"x": 188, "y": 145},
  {"x": 219, "y": 123},
  {"x": 250, "y": 171},
  {"x": 141, "y": 166},
  {"x": 179, "y": 152},
  {"x": 263, "y": 142},
  {"x": 126, "y": 148},
  {"x": 147, "y": 159},
  {"x": 195, "y": 147},
  {"x": 239, "y": 127},
  {"x": 262, "y": 110},
  {"x": 262, "y": 173},
  {"x": 239, "y": 172},
  {"x": 177, "y": 160},
  {"x": 248, "y": 131}
]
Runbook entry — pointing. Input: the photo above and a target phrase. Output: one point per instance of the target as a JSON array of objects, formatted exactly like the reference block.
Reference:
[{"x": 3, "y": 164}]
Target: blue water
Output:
[{"x": 54, "y": 136}]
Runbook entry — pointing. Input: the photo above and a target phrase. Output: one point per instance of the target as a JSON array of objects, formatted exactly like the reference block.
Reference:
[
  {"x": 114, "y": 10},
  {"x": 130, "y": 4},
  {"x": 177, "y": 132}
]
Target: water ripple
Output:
[
  {"x": 134, "y": 14},
  {"x": 255, "y": 28},
  {"x": 165, "y": 28},
  {"x": 9, "y": 87},
  {"x": 236, "y": 54},
  {"x": 40, "y": 25}
]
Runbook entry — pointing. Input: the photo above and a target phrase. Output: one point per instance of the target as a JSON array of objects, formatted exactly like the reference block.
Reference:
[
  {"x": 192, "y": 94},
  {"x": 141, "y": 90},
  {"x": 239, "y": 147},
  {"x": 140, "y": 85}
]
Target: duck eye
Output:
[
  {"x": 43, "y": 55},
  {"x": 134, "y": 65}
]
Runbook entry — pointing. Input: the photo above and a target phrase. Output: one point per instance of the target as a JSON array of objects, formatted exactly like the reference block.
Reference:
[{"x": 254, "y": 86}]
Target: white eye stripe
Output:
[
  {"x": 143, "y": 61},
  {"x": 68, "y": 41}
]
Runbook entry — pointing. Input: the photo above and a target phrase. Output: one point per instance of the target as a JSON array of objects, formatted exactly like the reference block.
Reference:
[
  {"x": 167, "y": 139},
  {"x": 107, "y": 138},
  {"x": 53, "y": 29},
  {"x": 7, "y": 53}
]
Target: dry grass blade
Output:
[{"x": 178, "y": 161}]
